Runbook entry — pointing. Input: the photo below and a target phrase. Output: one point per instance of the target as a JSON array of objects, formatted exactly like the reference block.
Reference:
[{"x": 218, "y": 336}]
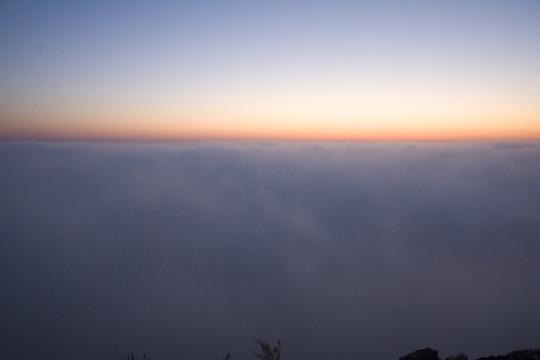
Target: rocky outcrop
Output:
[
  {"x": 530, "y": 354},
  {"x": 423, "y": 354},
  {"x": 431, "y": 354}
]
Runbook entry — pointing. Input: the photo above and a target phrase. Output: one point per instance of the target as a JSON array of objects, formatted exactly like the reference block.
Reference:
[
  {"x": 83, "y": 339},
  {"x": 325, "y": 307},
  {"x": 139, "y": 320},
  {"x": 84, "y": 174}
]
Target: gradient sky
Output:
[{"x": 423, "y": 70}]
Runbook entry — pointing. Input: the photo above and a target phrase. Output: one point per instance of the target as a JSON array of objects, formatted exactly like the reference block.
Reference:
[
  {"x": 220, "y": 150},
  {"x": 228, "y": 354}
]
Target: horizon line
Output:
[{"x": 164, "y": 140}]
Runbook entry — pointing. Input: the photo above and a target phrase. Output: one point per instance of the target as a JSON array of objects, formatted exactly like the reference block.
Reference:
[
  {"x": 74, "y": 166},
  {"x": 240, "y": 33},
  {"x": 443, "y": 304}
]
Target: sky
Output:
[
  {"x": 343, "y": 250},
  {"x": 270, "y": 70}
]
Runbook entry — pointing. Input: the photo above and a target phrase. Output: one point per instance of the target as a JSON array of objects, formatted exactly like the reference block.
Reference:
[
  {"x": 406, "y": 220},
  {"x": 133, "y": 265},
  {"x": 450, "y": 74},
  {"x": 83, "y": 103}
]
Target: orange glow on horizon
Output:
[
  {"x": 207, "y": 130},
  {"x": 295, "y": 114}
]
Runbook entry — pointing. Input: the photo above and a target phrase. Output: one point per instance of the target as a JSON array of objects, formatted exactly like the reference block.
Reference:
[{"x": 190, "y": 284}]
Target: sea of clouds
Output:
[{"x": 341, "y": 250}]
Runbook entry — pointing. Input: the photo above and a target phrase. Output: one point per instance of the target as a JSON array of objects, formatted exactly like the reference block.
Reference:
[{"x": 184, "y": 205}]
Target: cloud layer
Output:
[{"x": 342, "y": 250}]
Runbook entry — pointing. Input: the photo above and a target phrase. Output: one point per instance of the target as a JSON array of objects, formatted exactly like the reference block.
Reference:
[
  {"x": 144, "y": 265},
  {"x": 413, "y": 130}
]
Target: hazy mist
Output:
[{"x": 342, "y": 250}]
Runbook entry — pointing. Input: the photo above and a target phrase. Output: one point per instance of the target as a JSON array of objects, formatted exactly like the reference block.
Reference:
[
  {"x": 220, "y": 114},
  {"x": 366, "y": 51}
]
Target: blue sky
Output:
[{"x": 196, "y": 68}]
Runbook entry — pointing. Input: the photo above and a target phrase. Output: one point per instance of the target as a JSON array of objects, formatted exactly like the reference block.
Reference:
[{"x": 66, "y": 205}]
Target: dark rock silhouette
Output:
[
  {"x": 423, "y": 354},
  {"x": 431, "y": 354},
  {"x": 529, "y": 354}
]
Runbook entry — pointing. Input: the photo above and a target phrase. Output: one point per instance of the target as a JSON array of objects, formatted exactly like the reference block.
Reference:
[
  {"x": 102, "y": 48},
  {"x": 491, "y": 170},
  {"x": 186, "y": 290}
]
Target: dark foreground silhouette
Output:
[
  {"x": 267, "y": 352},
  {"x": 432, "y": 354}
]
